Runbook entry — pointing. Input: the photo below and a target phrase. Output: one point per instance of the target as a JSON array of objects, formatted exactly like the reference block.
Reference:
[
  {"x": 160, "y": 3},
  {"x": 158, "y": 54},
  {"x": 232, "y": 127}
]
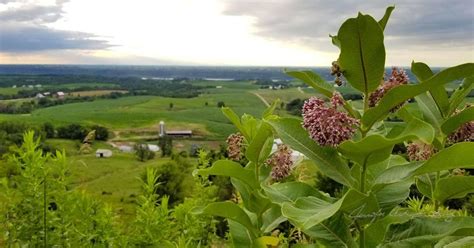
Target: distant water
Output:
[{"x": 223, "y": 73}]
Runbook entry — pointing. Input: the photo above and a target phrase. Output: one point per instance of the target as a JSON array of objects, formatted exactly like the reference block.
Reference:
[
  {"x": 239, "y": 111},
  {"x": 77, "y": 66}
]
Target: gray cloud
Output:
[
  {"x": 30, "y": 38},
  {"x": 32, "y": 13},
  {"x": 23, "y": 29},
  {"x": 448, "y": 24}
]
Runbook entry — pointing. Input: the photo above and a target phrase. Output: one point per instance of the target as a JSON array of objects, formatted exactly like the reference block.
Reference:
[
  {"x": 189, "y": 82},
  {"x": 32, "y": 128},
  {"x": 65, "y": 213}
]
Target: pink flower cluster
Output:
[
  {"x": 235, "y": 143},
  {"x": 326, "y": 124},
  {"x": 418, "y": 151},
  {"x": 397, "y": 78},
  {"x": 280, "y": 162}
]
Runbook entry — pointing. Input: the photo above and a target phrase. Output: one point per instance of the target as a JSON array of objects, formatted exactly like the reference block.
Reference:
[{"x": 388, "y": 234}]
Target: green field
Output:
[
  {"x": 146, "y": 111},
  {"x": 9, "y": 90}
]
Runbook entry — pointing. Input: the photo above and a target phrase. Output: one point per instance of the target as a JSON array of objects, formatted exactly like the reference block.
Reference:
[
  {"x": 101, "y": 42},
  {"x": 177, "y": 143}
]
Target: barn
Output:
[{"x": 103, "y": 153}]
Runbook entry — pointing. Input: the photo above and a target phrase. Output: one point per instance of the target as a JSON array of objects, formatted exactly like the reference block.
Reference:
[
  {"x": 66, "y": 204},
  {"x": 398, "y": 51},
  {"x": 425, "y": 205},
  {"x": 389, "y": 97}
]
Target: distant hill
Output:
[{"x": 165, "y": 72}]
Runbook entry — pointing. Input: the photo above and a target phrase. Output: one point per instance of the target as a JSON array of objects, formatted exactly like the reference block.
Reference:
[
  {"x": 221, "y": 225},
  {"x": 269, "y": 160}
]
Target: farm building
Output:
[
  {"x": 124, "y": 148},
  {"x": 103, "y": 153},
  {"x": 180, "y": 133},
  {"x": 60, "y": 94},
  {"x": 39, "y": 95},
  {"x": 176, "y": 133},
  {"x": 153, "y": 148}
]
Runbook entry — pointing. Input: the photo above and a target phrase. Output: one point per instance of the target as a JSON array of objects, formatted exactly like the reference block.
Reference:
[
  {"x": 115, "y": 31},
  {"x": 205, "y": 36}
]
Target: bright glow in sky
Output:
[{"x": 170, "y": 32}]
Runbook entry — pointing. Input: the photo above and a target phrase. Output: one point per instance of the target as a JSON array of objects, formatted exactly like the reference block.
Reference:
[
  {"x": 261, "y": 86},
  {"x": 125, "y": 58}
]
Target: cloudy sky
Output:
[{"x": 225, "y": 32}]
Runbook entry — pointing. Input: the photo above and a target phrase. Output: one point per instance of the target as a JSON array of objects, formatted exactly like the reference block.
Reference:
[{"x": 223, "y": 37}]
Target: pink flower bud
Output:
[
  {"x": 280, "y": 162},
  {"x": 397, "y": 78},
  {"x": 419, "y": 151},
  {"x": 235, "y": 146},
  {"x": 327, "y": 125}
]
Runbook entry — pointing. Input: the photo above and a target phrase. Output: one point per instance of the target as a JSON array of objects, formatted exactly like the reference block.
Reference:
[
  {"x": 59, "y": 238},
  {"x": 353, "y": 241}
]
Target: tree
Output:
[
  {"x": 166, "y": 145},
  {"x": 101, "y": 133},
  {"x": 49, "y": 130},
  {"x": 171, "y": 105},
  {"x": 72, "y": 131},
  {"x": 220, "y": 104},
  {"x": 143, "y": 153}
]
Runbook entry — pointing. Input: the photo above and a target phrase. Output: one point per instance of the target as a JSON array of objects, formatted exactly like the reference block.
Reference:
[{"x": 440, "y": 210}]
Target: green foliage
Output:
[
  {"x": 367, "y": 211},
  {"x": 166, "y": 145},
  {"x": 143, "y": 153},
  {"x": 41, "y": 210},
  {"x": 174, "y": 180}
]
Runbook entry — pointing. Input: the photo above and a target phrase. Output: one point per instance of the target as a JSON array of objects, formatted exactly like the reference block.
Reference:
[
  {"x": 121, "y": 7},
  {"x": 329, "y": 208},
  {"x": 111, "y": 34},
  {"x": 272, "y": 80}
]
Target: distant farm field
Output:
[{"x": 135, "y": 112}]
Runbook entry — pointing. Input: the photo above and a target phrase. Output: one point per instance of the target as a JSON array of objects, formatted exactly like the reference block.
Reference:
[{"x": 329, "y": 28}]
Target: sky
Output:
[{"x": 225, "y": 32}]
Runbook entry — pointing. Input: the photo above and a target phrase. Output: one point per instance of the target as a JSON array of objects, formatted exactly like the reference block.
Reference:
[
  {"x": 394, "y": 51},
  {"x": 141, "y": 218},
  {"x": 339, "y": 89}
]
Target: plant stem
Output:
[
  {"x": 436, "y": 202},
  {"x": 362, "y": 189},
  {"x": 44, "y": 214}
]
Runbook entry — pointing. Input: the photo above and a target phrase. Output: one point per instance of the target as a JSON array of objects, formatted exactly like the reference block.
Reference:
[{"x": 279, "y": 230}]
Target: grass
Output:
[
  {"x": 137, "y": 112},
  {"x": 95, "y": 92},
  {"x": 73, "y": 86},
  {"x": 9, "y": 90}
]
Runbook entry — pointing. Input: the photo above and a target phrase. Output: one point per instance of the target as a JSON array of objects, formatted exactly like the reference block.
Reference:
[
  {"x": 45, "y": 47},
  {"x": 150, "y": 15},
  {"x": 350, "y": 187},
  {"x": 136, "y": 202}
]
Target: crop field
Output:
[
  {"x": 135, "y": 112},
  {"x": 9, "y": 90},
  {"x": 95, "y": 92}
]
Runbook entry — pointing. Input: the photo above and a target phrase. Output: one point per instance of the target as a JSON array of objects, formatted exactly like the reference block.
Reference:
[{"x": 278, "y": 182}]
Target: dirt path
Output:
[
  {"x": 263, "y": 99},
  {"x": 300, "y": 90}
]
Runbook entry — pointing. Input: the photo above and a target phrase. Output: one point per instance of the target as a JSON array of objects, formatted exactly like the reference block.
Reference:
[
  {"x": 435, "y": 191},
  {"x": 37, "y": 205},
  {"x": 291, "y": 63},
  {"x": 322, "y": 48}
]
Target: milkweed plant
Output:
[{"x": 354, "y": 147}]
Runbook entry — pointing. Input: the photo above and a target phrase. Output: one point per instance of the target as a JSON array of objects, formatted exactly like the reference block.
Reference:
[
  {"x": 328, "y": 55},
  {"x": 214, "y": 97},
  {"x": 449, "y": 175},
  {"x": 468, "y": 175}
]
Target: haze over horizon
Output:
[{"x": 226, "y": 32}]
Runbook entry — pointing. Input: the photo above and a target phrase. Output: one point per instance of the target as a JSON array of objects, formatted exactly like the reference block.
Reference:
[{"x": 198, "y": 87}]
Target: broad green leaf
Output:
[
  {"x": 453, "y": 187},
  {"x": 454, "y": 122},
  {"x": 426, "y": 184},
  {"x": 228, "y": 210},
  {"x": 272, "y": 218},
  {"x": 250, "y": 125},
  {"x": 333, "y": 232},
  {"x": 430, "y": 113},
  {"x": 291, "y": 191},
  {"x": 427, "y": 231},
  {"x": 314, "y": 80},
  {"x": 455, "y": 156},
  {"x": 376, "y": 169},
  {"x": 325, "y": 158},
  {"x": 375, "y": 148},
  {"x": 460, "y": 93},
  {"x": 310, "y": 211},
  {"x": 234, "y": 118},
  {"x": 252, "y": 199},
  {"x": 455, "y": 242},
  {"x": 362, "y": 57},
  {"x": 375, "y": 233},
  {"x": 256, "y": 150},
  {"x": 423, "y": 72},
  {"x": 230, "y": 169},
  {"x": 240, "y": 236},
  {"x": 386, "y": 16},
  {"x": 397, "y": 173},
  {"x": 402, "y": 93},
  {"x": 389, "y": 196}
]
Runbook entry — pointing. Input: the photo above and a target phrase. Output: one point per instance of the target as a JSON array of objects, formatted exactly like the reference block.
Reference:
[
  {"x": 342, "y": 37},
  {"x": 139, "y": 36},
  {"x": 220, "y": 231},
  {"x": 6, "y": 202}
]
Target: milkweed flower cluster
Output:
[
  {"x": 235, "y": 144},
  {"x": 397, "y": 78},
  {"x": 463, "y": 133},
  {"x": 326, "y": 124},
  {"x": 280, "y": 162},
  {"x": 418, "y": 151}
]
